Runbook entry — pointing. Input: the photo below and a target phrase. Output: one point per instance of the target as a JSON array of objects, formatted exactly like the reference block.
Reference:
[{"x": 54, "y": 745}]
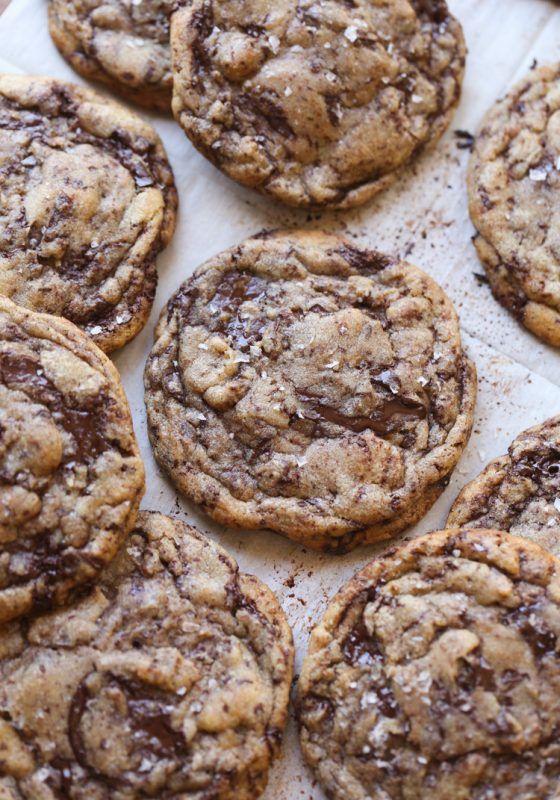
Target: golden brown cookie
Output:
[
  {"x": 518, "y": 492},
  {"x": 434, "y": 674},
  {"x": 169, "y": 679},
  {"x": 123, "y": 43},
  {"x": 87, "y": 203},
  {"x": 71, "y": 477},
  {"x": 301, "y": 384},
  {"x": 318, "y": 104},
  {"x": 514, "y": 189}
]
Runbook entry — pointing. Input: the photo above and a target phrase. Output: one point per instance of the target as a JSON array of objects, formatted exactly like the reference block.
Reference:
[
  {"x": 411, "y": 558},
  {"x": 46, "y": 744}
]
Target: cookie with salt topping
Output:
[
  {"x": 302, "y": 384},
  {"x": 434, "y": 673},
  {"x": 318, "y": 104},
  {"x": 122, "y": 43},
  {"x": 514, "y": 186}
]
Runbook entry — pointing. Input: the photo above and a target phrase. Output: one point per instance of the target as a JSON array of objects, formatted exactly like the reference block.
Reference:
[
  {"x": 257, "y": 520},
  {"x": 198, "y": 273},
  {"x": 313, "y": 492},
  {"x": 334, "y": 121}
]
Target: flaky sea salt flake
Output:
[
  {"x": 351, "y": 33},
  {"x": 538, "y": 174}
]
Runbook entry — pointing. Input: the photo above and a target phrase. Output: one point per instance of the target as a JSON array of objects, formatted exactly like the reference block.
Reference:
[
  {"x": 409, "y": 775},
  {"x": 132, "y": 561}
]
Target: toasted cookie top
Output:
[
  {"x": 71, "y": 474},
  {"x": 434, "y": 673},
  {"x": 315, "y": 103},
  {"x": 301, "y": 384},
  {"x": 88, "y": 201},
  {"x": 124, "y": 43},
  {"x": 514, "y": 187},
  {"x": 168, "y": 679},
  {"x": 518, "y": 492}
]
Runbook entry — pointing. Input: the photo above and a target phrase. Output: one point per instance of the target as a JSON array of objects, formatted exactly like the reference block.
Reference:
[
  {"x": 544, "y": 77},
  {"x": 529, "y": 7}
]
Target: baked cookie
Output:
[
  {"x": 71, "y": 477},
  {"x": 434, "y": 674},
  {"x": 300, "y": 384},
  {"x": 519, "y": 492},
  {"x": 169, "y": 679},
  {"x": 514, "y": 191},
  {"x": 87, "y": 201},
  {"x": 123, "y": 43},
  {"x": 316, "y": 104}
]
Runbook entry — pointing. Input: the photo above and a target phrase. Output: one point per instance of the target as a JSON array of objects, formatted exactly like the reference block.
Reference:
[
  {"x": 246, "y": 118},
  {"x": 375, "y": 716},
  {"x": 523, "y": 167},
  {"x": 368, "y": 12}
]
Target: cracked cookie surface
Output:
[
  {"x": 518, "y": 492},
  {"x": 87, "y": 203},
  {"x": 434, "y": 673},
  {"x": 168, "y": 679},
  {"x": 71, "y": 477},
  {"x": 514, "y": 187},
  {"x": 315, "y": 103},
  {"x": 300, "y": 384},
  {"x": 123, "y": 43}
]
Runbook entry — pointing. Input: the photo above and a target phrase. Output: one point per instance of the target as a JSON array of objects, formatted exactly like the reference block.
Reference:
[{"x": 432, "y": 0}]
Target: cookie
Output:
[
  {"x": 514, "y": 190},
  {"x": 71, "y": 477},
  {"x": 300, "y": 384},
  {"x": 316, "y": 104},
  {"x": 87, "y": 201},
  {"x": 123, "y": 43},
  {"x": 518, "y": 492},
  {"x": 169, "y": 679},
  {"x": 434, "y": 674}
]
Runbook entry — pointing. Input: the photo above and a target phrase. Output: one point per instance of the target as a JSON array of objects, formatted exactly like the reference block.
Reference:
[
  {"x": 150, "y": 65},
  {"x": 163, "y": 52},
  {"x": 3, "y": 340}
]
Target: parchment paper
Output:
[{"x": 424, "y": 216}]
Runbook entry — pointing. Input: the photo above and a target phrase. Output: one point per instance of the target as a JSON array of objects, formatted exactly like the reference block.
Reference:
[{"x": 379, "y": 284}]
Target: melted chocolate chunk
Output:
[
  {"x": 60, "y": 781},
  {"x": 149, "y": 721},
  {"x": 532, "y": 627},
  {"x": 537, "y": 467},
  {"x": 360, "y": 646},
  {"x": 477, "y": 672},
  {"x": 435, "y": 10},
  {"x": 389, "y": 419},
  {"x": 234, "y": 290},
  {"x": 368, "y": 262},
  {"x": 85, "y": 426}
]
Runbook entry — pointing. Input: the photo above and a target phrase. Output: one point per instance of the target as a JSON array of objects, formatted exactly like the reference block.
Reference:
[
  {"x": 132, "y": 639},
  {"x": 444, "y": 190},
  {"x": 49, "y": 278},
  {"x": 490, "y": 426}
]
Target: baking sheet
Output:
[{"x": 424, "y": 216}]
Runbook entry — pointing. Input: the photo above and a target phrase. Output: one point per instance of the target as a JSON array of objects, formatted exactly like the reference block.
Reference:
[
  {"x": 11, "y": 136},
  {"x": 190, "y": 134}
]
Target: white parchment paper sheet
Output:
[{"x": 423, "y": 216}]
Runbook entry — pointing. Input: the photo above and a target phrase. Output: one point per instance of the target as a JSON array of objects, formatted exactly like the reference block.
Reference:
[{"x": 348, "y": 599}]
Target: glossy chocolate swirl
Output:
[
  {"x": 301, "y": 384},
  {"x": 169, "y": 679},
  {"x": 71, "y": 477}
]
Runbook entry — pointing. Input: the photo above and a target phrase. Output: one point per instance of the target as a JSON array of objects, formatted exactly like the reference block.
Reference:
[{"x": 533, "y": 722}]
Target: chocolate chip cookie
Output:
[
  {"x": 87, "y": 201},
  {"x": 518, "y": 492},
  {"x": 169, "y": 679},
  {"x": 300, "y": 384},
  {"x": 434, "y": 674},
  {"x": 514, "y": 189},
  {"x": 123, "y": 43},
  {"x": 71, "y": 478},
  {"x": 318, "y": 104}
]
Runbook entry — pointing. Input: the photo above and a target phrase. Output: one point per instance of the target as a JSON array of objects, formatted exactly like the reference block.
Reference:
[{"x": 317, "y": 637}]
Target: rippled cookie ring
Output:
[
  {"x": 123, "y": 43},
  {"x": 315, "y": 103},
  {"x": 518, "y": 492},
  {"x": 300, "y": 384},
  {"x": 87, "y": 201},
  {"x": 434, "y": 674},
  {"x": 169, "y": 679},
  {"x": 71, "y": 477},
  {"x": 514, "y": 189}
]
